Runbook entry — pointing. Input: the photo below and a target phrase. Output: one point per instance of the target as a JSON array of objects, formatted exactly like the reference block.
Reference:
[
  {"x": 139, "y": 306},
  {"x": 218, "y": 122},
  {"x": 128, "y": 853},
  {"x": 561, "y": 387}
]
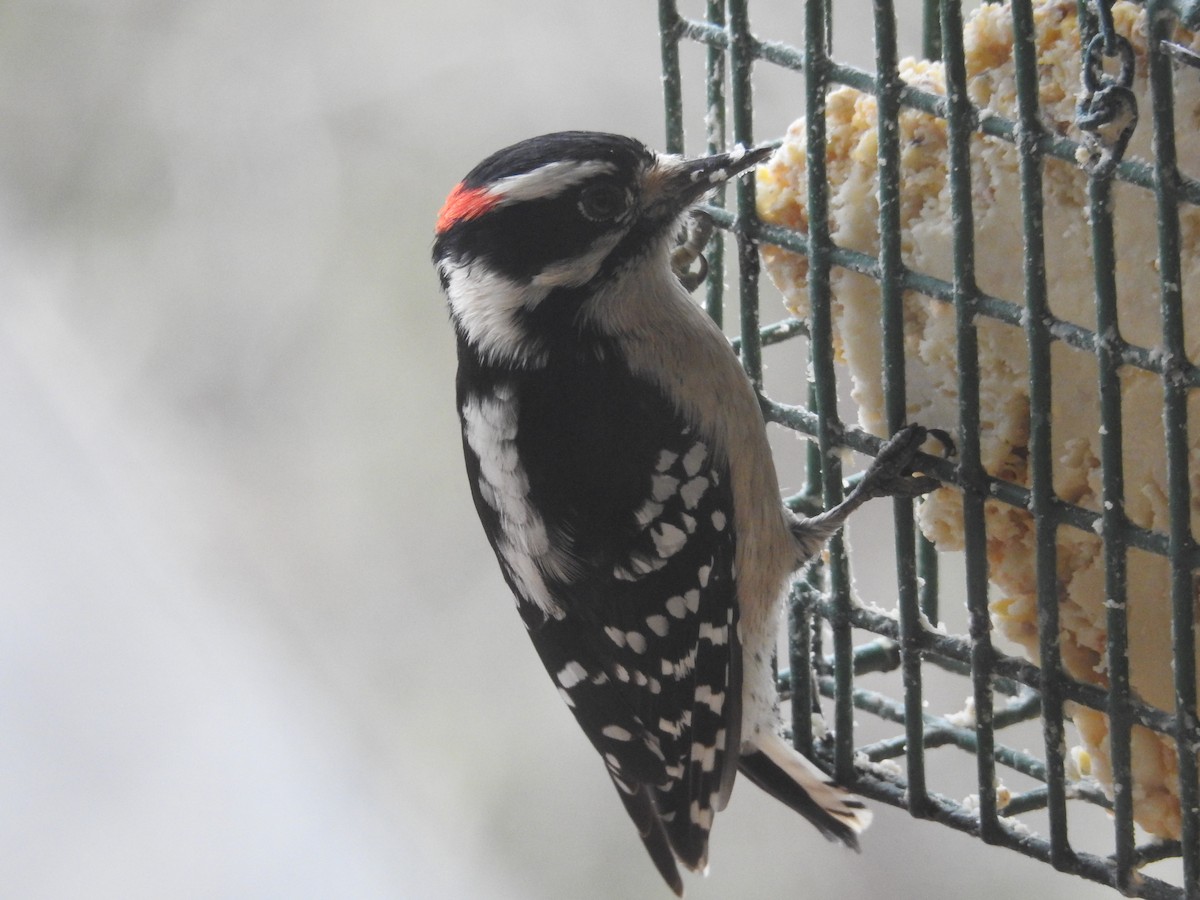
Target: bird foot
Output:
[
  {"x": 693, "y": 239},
  {"x": 891, "y": 472}
]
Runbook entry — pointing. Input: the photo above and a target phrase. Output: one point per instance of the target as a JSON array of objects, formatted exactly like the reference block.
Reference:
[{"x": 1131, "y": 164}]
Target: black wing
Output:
[{"x": 632, "y": 606}]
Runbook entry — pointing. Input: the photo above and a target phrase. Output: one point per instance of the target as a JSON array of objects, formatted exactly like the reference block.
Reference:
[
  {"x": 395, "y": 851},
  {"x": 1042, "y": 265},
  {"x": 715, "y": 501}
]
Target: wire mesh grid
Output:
[{"x": 1007, "y": 690}]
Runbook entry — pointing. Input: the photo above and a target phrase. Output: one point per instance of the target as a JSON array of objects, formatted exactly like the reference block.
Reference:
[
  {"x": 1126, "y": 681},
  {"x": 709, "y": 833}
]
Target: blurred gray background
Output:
[{"x": 253, "y": 642}]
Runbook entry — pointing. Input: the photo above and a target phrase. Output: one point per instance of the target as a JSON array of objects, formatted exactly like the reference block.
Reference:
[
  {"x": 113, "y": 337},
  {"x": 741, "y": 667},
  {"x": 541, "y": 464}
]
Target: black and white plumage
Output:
[{"x": 618, "y": 460}]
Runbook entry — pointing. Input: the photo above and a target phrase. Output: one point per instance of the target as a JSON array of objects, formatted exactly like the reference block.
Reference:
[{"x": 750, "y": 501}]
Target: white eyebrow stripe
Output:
[{"x": 549, "y": 180}]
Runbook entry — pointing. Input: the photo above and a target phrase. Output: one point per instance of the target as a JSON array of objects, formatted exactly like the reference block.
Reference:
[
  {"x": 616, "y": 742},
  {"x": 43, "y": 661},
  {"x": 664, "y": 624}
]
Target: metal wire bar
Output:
[
  {"x": 741, "y": 66},
  {"x": 1175, "y": 420},
  {"x": 951, "y": 812},
  {"x": 1075, "y": 336},
  {"x": 891, "y": 268},
  {"x": 998, "y": 308},
  {"x": 940, "y": 731},
  {"x": 938, "y": 647},
  {"x": 798, "y": 679},
  {"x": 801, "y": 419},
  {"x": 960, "y": 119},
  {"x": 1056, "y": 146},
  {"x": 671, "y": 27},
  {"x": 1041, "y": 464},
  {"x": 1113, "y": 521},
  {"x": 928, "y": 582},
  {"x": 817, "y": 13},
  {"x": 931, "y": 32},
  {"x": 904, "y": 639},
  {"x": 714, "y": 126},
  {"x": 810, "y": 589}
]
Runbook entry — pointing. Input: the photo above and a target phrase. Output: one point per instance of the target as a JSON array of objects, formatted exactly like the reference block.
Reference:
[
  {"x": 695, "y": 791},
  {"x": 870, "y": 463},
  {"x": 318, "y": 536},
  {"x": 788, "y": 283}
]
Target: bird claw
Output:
[
  {"x": 943, "y": 438},
  {"x": 891, "y": 473},
  {"x": 690, "y": 249}
]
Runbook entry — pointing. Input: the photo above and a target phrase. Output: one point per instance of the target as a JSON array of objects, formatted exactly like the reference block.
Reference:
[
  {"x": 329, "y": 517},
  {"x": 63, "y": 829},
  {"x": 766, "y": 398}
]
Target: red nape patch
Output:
[{"x": 462, "y": 204}]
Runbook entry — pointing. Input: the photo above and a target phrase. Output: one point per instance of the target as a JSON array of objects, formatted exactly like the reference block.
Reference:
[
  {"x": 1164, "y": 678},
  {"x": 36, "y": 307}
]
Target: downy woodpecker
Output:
[{"x": 619, "y": 463}]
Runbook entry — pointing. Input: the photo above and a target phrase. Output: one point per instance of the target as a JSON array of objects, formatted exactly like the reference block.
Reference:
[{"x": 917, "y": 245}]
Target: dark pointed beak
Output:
[{"x": 676, "y": 183}]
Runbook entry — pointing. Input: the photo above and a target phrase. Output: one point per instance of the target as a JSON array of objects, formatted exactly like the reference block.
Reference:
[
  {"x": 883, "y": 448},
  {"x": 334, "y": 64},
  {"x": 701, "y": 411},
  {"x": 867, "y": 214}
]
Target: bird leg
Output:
[{"x": 889, "y": 475}]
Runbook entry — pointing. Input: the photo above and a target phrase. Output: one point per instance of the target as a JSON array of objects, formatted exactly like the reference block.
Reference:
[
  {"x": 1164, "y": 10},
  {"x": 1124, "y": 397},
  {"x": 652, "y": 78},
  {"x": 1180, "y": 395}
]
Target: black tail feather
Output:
[{"x": 645, "y": 816}]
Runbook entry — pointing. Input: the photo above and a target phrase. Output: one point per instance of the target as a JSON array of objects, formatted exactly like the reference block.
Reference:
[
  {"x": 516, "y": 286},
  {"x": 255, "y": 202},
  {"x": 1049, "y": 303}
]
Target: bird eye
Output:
[{"x": 603, "y": 202}]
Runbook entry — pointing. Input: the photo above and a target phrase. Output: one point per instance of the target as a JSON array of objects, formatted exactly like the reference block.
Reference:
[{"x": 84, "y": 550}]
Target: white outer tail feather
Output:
[{"x": 829, "y": 795}]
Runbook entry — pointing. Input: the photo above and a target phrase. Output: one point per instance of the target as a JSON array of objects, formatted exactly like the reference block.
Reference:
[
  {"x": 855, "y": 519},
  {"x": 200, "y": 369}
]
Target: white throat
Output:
[{"x": 487, "y": 306}]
